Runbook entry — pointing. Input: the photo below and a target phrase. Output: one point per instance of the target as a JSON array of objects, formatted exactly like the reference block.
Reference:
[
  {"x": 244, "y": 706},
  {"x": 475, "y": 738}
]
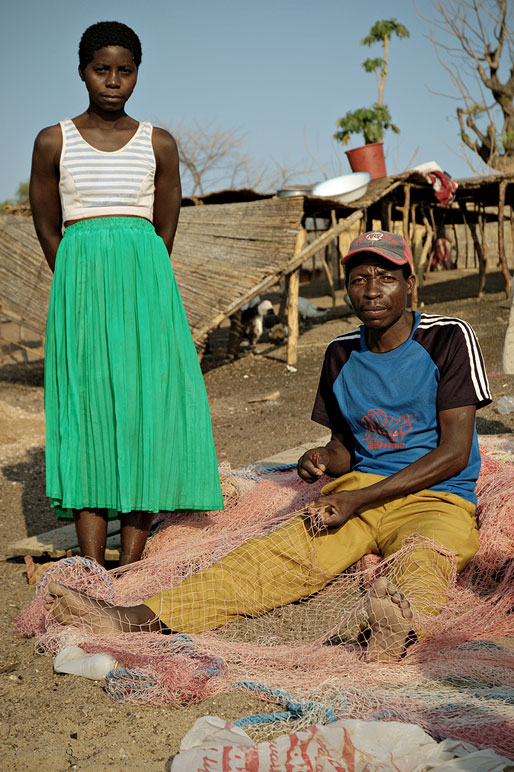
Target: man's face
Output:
[{"x": 378, "y": 291}]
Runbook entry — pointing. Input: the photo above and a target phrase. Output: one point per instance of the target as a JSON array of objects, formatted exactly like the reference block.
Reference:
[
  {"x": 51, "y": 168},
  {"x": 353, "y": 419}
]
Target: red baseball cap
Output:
[{"x": 390, "y": 246}]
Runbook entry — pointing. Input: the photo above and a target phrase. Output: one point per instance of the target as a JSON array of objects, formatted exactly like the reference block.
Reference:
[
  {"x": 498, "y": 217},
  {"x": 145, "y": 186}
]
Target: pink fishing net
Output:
[{"x": 457, "y": 680}]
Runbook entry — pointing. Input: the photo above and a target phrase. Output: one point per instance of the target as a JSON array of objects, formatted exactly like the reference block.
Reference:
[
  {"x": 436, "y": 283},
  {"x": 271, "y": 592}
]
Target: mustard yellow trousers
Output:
[{"x": 292, "y": 562}]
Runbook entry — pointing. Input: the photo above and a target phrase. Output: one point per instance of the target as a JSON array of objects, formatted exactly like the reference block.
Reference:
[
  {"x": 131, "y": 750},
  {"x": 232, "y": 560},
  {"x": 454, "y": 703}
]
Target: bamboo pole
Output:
[
  {"x": 293, "y": 290},
  {"x": 502, "y": 187}
]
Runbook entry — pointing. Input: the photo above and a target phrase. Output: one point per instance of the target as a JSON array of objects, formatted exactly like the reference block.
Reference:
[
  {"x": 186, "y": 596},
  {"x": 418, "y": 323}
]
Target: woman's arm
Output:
[
  {"x": 44, "y": 191},
  {"x": 168, "y": 193}
]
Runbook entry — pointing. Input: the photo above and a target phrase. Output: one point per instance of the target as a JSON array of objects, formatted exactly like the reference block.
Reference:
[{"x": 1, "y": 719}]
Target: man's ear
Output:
[
  {"x": 411, "y": 283},
  {"x": 81, "y": 75}
]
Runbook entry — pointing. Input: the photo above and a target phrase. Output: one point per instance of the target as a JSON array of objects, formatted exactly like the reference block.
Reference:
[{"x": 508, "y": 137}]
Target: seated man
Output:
[{"x": 399, "y": 395}]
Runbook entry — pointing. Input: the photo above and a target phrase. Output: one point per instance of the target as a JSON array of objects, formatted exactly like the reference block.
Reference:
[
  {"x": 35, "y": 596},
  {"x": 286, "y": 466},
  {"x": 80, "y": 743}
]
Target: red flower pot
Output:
[{"x": 368, "y": 158}]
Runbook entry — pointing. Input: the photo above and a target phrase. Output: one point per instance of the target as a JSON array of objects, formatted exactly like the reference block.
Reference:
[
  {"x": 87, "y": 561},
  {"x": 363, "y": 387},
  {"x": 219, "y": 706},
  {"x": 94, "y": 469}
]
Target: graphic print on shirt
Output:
[{"x": 385, "y": 431}]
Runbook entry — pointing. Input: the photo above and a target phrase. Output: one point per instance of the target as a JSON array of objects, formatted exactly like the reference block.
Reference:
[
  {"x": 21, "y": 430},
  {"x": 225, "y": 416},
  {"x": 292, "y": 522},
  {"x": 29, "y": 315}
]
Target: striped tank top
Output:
[{"x": 96, "y": 183}]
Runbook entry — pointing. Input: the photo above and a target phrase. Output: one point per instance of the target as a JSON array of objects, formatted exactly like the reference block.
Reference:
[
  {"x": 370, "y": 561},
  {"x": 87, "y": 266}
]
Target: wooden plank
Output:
[{"x": 57, "y": 543}]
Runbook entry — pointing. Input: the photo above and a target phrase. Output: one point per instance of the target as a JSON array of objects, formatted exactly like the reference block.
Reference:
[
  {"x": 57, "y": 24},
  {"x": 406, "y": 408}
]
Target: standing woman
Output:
[{"x": 128, "y": 424}]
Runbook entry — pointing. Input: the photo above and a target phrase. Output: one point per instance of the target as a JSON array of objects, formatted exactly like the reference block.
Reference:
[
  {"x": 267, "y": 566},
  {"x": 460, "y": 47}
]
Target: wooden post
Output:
[
  {"x": 336, "y": 256},
  {"x": 501, "y": 237},
  {"x": 405, "y": 233},
  {"x": 330, "y": 278},
  {"x": 412, "y": 229},
  {"x": 293, "y": 290},
  {"x": 406, "y": 212},
  {"x": 456, "y": 240},
  {"x": 512, "y": 224},
  {"x": 235, "y": 334},
  {"x": 386, "y": 207},
  {"x": 482, "y": 256},
  {"x": 478, "y": 249},
  {"x": 424, "y": 261},
  {"x": 508, "y": 346}
]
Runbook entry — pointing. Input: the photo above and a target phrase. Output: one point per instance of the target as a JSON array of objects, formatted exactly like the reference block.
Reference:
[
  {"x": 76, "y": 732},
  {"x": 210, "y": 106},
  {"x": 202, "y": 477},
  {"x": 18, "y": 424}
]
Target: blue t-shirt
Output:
[{"x": 387, "y": 404}]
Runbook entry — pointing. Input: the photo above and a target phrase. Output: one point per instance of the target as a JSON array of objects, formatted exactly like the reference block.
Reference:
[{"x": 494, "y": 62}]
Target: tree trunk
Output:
[{"x": 508, "y": 346}]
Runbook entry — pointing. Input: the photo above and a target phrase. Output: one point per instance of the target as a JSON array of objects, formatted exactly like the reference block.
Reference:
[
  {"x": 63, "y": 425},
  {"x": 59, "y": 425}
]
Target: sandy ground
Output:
[{"x": 62, "y": 722}]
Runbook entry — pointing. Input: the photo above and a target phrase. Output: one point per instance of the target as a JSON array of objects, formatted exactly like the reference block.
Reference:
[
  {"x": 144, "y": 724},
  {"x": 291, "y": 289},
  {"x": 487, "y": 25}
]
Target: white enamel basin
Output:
[{"x": 347, "y": 188}]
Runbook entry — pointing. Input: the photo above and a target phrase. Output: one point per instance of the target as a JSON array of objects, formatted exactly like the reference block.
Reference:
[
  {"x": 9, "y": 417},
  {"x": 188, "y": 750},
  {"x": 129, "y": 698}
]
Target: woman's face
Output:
[{"x": 110, "y": 77}]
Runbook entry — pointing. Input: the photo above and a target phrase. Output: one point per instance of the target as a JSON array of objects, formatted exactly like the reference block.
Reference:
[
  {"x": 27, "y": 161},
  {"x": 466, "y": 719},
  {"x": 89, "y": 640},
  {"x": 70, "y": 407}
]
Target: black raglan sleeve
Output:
[
  {"x": 326, "y": 410},
  {"x": 454, "y": 348}
]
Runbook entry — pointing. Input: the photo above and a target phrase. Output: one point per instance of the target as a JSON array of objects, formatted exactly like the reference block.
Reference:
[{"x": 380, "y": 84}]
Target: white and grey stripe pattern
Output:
[
  {"x": 104, "y": 178},
  {"x": 350, "y": 335},
  {"x": 477, "y": 369}
]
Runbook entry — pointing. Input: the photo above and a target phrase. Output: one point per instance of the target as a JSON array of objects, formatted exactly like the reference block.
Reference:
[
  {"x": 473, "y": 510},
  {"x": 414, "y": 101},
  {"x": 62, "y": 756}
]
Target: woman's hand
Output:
[{"x": 313, "y": 464}]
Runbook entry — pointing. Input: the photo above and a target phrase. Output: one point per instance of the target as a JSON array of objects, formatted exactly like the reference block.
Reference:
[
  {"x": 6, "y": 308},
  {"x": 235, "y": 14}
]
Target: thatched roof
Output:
[
  {"x": 25, "y": 278},
  {"x": 480, "y": 190},
  {"x": 222, "y": 254}
]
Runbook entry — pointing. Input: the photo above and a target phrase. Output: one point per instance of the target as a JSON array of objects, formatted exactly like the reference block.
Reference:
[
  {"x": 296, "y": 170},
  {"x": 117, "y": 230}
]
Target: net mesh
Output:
[{"x": 313, "y": 656}]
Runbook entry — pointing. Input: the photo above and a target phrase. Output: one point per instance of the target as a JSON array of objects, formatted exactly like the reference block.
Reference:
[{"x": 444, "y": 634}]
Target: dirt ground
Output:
[{"x": 62, "y": 722}]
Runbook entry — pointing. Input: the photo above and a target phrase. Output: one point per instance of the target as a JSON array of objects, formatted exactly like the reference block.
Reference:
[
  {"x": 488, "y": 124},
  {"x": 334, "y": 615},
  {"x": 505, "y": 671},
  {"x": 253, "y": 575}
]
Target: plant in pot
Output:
[{"x": 372, "y": 121}]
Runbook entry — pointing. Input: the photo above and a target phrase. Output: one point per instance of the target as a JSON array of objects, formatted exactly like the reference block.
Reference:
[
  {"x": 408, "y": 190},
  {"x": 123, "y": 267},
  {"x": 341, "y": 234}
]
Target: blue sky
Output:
[{"x": 279, "y": 71}]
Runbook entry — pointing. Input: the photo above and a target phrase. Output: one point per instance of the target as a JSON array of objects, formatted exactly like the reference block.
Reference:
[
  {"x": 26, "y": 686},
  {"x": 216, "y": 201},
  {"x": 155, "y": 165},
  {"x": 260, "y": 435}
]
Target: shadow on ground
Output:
[{"x": 30, "y": 472}]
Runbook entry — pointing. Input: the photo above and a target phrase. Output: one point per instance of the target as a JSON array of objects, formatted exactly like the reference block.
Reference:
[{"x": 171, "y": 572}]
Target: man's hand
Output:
[
  {"x": 333, "y": 459},
  {"x": 334, "y": 510},
  {"x": 313, "y": 464}
]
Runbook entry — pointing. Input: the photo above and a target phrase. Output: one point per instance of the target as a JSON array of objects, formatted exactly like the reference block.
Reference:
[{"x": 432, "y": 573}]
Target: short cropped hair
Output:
[{"x": 108, "y": 33}]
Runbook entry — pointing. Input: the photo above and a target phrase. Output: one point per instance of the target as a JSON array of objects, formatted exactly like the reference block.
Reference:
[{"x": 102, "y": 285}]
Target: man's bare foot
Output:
[
  {"x": 71, "y": 607},
  {"x": 389, "y": 621}
]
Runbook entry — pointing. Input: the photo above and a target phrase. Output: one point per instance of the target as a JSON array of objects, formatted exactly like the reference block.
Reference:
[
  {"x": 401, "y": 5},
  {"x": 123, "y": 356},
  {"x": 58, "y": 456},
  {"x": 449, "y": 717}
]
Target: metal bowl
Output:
[{"x": 288, "y": 191}]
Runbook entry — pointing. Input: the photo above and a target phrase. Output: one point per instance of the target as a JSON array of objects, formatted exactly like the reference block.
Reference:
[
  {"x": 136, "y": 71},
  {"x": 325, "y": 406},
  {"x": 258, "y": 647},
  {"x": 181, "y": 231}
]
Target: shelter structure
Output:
[{"x": 234, "y": 245}]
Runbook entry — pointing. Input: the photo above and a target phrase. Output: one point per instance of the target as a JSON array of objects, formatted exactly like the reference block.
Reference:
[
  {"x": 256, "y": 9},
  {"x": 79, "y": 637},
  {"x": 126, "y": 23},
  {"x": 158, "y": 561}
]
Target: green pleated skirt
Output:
[{"x": 128, "y": 426}]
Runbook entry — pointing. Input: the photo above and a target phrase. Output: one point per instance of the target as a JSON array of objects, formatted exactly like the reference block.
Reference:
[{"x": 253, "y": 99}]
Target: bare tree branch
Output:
[
  {"x": 474, "y": 44},
  {"x": 212, "y": 158}
]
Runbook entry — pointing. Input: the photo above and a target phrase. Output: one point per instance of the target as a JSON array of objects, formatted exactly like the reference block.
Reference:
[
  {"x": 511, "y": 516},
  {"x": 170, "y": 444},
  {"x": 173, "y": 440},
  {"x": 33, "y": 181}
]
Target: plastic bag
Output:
[
  {"x": 74, "y": 660},
  {"x": 359, "y": 746}
]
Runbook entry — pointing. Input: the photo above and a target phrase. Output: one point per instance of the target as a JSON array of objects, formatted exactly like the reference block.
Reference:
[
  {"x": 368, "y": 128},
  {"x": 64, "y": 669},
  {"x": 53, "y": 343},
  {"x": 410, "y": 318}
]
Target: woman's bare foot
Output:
[
  {"x": 70, "y": 607},
  {"x": 389, "y": 620}
]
